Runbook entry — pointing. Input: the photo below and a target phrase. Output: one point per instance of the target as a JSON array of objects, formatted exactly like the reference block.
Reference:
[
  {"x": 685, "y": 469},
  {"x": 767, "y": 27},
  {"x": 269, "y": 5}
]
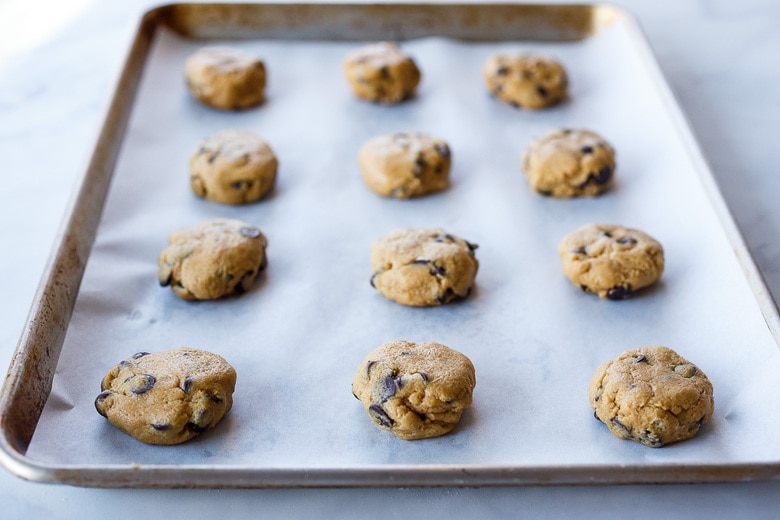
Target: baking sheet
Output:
[{"x": 298, "y": 336}]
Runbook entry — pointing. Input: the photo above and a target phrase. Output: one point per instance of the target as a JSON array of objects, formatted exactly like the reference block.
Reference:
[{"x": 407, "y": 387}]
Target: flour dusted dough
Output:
[
  {"x": 415, "y": 390},
  {"x": 651, "y": 395},
  {"x": 526, "y": 80},
  {"x": 168, "y": 397},
  {"x": 225, "y": 78},
  {"x": 381, "y": 72}
]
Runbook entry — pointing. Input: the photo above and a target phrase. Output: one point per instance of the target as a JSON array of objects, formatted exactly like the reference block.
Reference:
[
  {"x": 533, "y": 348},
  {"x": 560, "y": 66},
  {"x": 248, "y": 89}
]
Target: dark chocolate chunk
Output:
[
  {"x": 368, "y": 367},
  {"x": 541, "y": 91},
  {"x": 139, "y": 355},
  {"x": 545, "y": 193},
  {"x": 626, "y": 240},
  {"x": 214, "y": 398},
  {"x": 580, "y": 251},
  {"x": 443, "y": 150},
  {"x": 385, "y": 72},
  {"x": 597, "y": 395},
  {"x": 142, "y": 383},
  {"x": 249, "y": 232},
  {"x": 388, "y": 387},
  {"x": 167, "y": 281},
  {"x": 444, "y": 237},
  {"x": 379, "y": 416},
  {"x": 641, "y": 358},
  {"x": 161, "y": 427},
  {"x": 586, "y": 149},
  {"x": 213, "y": 156},
  {"x": 100, "y": 399},
  {"x": 620, "y": 426},
  {"x": 424, "y": 376},
  {"x": 448, "y": 295},
  {"x": 437, "y": 270},
  {"x": 196, "y": 427},
  {"x": 606, "y": 234},
  {"x": 186, "y": 385},
  {"x": 603, "y": 176},
  {"x": 618, "y": 293},
  {"x": 502, "y": 70}
]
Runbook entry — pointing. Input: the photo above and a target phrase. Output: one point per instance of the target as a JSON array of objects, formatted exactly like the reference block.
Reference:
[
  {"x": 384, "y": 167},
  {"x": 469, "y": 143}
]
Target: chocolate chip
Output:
[
  {"x": 438, "y": 271},
  {"x": 515, "y": 104},
  {"x": 379, "y": 416},
  {"x": 471, "y": 246},
  {"x": 597, "y": 395},
  {"x": 186, "y": 385},
  {"x": 641, "y": 358},
  {"x": 241, "y": 185},
  {"x": 385, "y": 72},
  {"x": 618, "y": 293},
  {"x": 541, "y": 91},
  {"x": 214, "y": 398},
  {"x": 355, "y": 395},
  {"x": 620, "y": 426},
  {"x": 443, "y": 150},
  {"x": 167, "y": 281},
  {"x": 142, "y": 383},
  {"x": 161, "y": 427},
  {"x": 99, "y": 399},
  {"x": 368, "y": 367},
  {"x": 580, "y": 251},
  {"x": 249, "y": 232},
  {"x": 444, "y": 237},
  {"x": 626, "y": 240},
  {"x": 373, "y": 276},
  {"x": 213, "y": 156},
  {"x": 196, "y": 427},
  {"x": 545, "y": 193},
  {"x": 586, "y": 149},
  {"x": 448, "y": 296},
  {"x": 424, "y": 376},
  {"x": 606, "y": 234},
  {"x": 502, "y": 70},
  {"x": 421, "y": 261},
  {"x": 139, "y": 355},
  {"x": 388, "y": 387},
  {"x": 603, "y": 176}
]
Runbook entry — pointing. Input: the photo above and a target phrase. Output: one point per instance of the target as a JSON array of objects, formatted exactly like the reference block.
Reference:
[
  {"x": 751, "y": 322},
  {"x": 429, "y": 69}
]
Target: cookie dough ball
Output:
[
  {"x": 423, "y": 267},
  {"x": 569, "y": 163},
  {"x": 415, "y": 390},
  {"x": 381, "y": 72},
  {"x": 233, "y": 167},
  {"x": 213, "y": 259},
  {"x": 405, "y": 165},
  {"x": 168, "y": 397},
  {"x": 611, "y": 261},
  {"x": 651, "y": 395},
  {"x": 225, "y": 78},
  {"x": 525, "y": 80}
]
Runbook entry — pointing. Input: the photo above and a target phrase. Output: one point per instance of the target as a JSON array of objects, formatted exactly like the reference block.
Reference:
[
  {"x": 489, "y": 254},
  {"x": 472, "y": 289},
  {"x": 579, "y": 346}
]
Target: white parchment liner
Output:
[{"x": 298, "y": 336}]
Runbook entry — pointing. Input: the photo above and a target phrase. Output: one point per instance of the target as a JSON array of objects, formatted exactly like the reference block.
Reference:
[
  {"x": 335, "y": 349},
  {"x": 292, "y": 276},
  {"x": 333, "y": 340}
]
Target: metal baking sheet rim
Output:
[{"x": 29, "y": 379}]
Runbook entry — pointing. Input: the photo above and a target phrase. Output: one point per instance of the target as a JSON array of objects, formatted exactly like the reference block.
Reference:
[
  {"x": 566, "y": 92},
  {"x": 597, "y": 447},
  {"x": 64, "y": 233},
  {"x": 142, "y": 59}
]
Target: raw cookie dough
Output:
[
  {"x": 225, "y": 78},
  {"x": 569, "y": 163},
  {"x": 651, "y": 395},
  {"x": 168, "y": 397},
  {"x": 526, "y": 80},
  {"x": 381, "y": 72},
  {"x": 213, "y": 259},
  {"x": 423, "y": 267},
  {"x": 611, "y": 261},
  {"x": 415, "y": 390},
  {"x": 404, "y": 165},
  {"x": 233, "y": 167}
]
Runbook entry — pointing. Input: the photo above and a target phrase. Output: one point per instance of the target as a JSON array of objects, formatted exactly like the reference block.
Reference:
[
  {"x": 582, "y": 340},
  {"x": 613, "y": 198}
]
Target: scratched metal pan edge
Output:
[{"x": 29, "y": 378}]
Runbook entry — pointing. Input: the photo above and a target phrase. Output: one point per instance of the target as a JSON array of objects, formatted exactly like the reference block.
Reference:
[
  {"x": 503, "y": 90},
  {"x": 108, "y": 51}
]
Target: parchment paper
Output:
[{"x": 297, "y": 338}]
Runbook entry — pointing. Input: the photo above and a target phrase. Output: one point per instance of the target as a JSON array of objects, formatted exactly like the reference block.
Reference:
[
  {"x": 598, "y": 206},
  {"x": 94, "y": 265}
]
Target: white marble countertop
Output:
[{"x": 58, "y": 61}]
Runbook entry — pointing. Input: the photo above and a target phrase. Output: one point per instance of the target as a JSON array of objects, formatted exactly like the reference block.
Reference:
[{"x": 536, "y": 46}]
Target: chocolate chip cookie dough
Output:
[
  {"x": 415, "y": 390},
  {"x": 611, "y": 261},
  {"x": 405, "y": 165},
  {"x": 381, "y": 72},
  {"x": 569, "y": 163},
  {"x": 423, "y": 267},
  {"x": 233, "y": 167},
  {"x": 168, "y": 397},
  {"x": 526, "y": 80},
  {"x": 651, "y": 395},
  {"x": 213, "y": 259},
  {"x": 225, "y": 78}
]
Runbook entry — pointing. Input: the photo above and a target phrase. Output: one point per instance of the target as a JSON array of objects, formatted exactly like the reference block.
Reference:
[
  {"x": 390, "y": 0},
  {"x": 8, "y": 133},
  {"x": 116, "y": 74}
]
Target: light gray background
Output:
[{"x": 720, "y": 58}]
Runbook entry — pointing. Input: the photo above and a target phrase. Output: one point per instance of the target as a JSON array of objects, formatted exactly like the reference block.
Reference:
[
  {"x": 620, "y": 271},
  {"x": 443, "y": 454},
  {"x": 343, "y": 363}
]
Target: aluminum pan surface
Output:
[{"x": 534, "y": 339}]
